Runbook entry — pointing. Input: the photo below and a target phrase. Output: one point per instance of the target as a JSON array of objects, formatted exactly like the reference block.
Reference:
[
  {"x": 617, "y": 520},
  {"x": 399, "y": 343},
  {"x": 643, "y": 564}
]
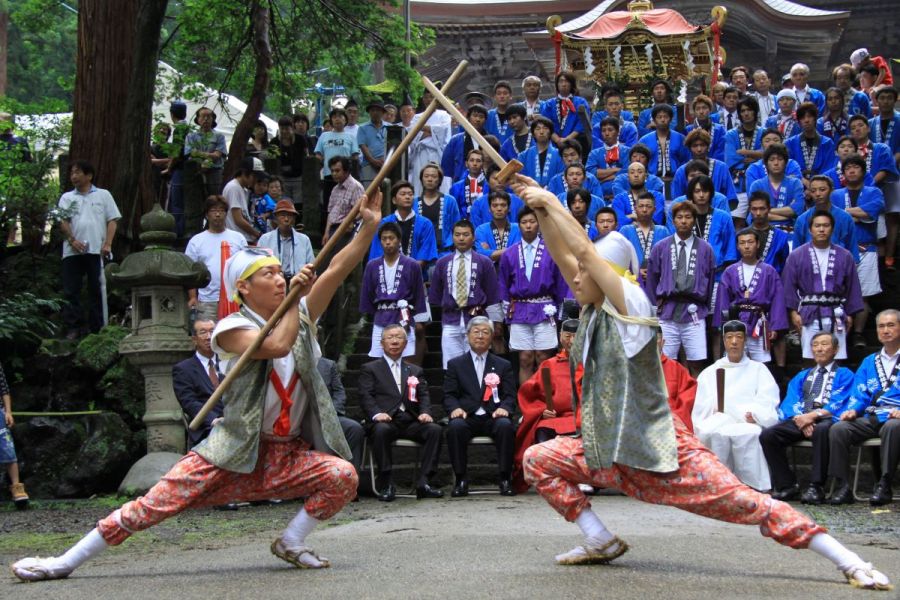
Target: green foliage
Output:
[
  {"x": 99, "y": 351},
  {"x": 37, "y": 273},
  {"x": 343, "y": 36},
  {"x": 123, "y": 392},
  {"x": 42, "y": 45},
  {"x": 23, "y": 321}
]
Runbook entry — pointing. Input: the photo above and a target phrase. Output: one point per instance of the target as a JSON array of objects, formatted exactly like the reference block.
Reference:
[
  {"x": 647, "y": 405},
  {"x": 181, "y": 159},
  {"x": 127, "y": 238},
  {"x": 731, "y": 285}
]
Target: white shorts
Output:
[
  {"x": 743, "y": 206},
  {"x": 541, "y": 336},
  {"x": 689, "y": 335},
  {"x": 453, "y": 342},
  {"x": 808, "y": 331},
  {"x": 376, "y": 351},
  {"x": 755, "y": 348},
  {"x": 881, "y": 227},
  {"x": 867, "y": 269}
]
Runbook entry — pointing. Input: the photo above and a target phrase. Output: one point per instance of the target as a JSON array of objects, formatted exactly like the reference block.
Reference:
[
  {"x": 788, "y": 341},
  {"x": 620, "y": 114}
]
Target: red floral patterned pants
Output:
[
  {"x": 285, "y": 470},
  {"x": 702, "y": 485}
]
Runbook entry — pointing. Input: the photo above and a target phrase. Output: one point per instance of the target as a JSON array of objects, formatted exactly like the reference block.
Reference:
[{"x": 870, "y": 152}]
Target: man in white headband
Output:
[
  {"x": 630, "y": 439},
  {"x": 257, "y": 451}
]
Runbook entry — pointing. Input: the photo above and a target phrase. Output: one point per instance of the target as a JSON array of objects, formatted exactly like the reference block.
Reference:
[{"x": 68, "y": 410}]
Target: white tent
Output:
[{"x": 228, "y": 109}]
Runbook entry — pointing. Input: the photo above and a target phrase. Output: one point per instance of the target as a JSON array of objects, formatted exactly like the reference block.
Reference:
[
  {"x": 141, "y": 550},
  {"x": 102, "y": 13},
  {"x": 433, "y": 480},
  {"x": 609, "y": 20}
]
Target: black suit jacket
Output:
[
  {"x": 193, "y": 388},
  {"x": 463, "y": 390},
  {"x": 379, "y": 394},
  {"x": 329, "y": 372}
]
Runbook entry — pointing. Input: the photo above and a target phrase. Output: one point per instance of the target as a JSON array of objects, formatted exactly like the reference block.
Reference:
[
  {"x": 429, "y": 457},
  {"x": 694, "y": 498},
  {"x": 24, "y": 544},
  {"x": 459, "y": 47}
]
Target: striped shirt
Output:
[{"x": 343, "y": 197}]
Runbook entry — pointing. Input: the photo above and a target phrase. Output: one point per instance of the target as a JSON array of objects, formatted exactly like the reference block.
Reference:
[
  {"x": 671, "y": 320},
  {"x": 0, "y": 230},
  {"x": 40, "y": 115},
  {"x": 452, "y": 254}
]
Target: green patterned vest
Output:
[
  {"x": 233, "y": 444},
  {"x": 625, "y": 414}
]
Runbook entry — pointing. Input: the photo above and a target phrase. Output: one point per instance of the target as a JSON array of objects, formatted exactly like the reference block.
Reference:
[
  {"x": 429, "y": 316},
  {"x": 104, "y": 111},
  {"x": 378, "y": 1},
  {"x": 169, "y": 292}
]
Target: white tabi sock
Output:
[
  {"x": 833, "y": 550},
  {"x": 295, "y": 533},
  {"x": 595, "y": 532},
  {"x": 87, "y": 547}
]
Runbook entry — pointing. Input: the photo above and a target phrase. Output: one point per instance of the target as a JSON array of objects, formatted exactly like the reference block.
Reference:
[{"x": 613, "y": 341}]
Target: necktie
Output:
[
  {"x": 479, "y": 368},
  {"x": 462, "y": 284},
  {"x": 815, "y": 390},
  {"x": 681, "y": 267},
  {"x": 529, "y": 261},
  {"x": 730, "y": 121},
  {"x": 213, "y": 376},
  {"x": 395, "y": 369}
]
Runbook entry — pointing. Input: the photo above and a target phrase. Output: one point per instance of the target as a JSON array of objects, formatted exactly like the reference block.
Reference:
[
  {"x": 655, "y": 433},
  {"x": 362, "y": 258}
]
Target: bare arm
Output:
[
  {"x": 110, "y": 234},
  {"x": 346, "y": 260},
  {"x": 569, "y": 243}
]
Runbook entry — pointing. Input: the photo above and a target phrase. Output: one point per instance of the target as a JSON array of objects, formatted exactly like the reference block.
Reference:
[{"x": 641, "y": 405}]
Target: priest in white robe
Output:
[
  {"x": 750, "y": 403},
  {"x": 428, "y": 145}
]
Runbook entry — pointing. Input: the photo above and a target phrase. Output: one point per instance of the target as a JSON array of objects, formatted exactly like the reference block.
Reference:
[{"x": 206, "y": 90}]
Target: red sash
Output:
[{"x": 282, "y": 425}]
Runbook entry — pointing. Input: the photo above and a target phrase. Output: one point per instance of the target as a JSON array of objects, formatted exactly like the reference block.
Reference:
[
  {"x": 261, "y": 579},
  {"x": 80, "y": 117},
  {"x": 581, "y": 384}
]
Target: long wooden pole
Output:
[
  {"x": 507, "y": 169},
  {"x": 291, "y": 298}
]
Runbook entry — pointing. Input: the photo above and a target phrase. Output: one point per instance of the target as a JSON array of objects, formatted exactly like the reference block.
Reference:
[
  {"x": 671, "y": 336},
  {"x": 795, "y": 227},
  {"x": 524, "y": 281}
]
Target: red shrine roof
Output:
[{"x": 660, "y": 21}]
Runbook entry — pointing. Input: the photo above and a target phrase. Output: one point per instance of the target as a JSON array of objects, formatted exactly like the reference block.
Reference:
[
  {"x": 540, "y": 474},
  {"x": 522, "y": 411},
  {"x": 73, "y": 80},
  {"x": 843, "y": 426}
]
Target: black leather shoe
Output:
[
  {"x": 460, "y": 489},
  {"x": 506, "y": 488},
  {"x": 814, "y": 494},
  {"x": 843, "y": 495},
  {"x": 788, "y": 493},
  {"x": 389, "y": 494},
  {"x": 882, "y": 494},
  {"x": 426, "y": 491}
]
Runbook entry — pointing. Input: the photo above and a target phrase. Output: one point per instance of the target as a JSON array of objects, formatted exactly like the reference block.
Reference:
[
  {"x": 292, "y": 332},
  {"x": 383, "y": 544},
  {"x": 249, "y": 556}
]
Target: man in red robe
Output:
[
  {"x": 681, "y": 386},
  {"x": 539, "y": 422}
]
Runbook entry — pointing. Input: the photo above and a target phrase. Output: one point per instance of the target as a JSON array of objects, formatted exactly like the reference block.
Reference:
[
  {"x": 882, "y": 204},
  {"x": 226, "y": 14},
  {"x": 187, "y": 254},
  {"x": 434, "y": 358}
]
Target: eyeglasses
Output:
[{"x": 204, "y": 333}]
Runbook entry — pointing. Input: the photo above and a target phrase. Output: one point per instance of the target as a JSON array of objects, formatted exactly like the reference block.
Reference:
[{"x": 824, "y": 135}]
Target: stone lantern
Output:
[{"x": 159, "y": 278}]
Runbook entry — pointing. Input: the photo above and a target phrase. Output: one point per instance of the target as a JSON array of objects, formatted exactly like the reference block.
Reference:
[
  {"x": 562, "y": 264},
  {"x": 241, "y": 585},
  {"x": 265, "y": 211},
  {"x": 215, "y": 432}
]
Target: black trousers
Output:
[
  {"x": 775, "y": 441},
  {"x": 407, "y": 426},
  {"x": 461, "y": 431},
  {"x": 74, "y": 270},
  {"x": 354, "y": 434},
  {"x": 849, "y": 433}
]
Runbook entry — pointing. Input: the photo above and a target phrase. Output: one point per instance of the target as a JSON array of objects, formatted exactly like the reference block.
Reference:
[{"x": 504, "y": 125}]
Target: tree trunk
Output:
[
  {"x": 116, "y": 67},
  {"x": 262, "y": 50}
]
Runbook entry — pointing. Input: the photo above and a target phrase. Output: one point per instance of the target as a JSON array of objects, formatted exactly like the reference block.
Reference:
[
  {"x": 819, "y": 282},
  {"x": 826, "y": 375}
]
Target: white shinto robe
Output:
[{"x": 749, "y": 387}]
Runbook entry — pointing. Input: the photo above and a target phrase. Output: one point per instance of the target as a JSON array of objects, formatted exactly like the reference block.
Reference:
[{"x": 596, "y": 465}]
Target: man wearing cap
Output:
[
  {"x": 256, "y": 452},
  {"x": 237, "y": 193},
  {"x": 731, "y": 427},
  {"x": 784, "y": 120},
  {"x": 629, "y": 437},
  {"x": 206, "y": 247},
  {"x": 546, "y": 413},
  {"x": 291, "y": 247},
  {"x": 371, "y": 139},
  {"x": 860, "y": 58}
]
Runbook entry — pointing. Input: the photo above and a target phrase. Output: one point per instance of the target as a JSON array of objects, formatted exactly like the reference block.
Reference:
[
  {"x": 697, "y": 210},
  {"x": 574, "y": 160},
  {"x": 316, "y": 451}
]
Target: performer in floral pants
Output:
[
  {"x": 256, "y": 452},
  {"x": 629, "y": 438}
]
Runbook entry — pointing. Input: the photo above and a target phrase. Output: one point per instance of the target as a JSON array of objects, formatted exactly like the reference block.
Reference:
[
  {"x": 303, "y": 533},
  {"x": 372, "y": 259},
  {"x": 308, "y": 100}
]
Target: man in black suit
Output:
[
  {"x": 194, "y": 380},
  {"x": 353, "y": 431},
  {"x": 480, "y": 396},
  {"x": 394, "y": 395}
]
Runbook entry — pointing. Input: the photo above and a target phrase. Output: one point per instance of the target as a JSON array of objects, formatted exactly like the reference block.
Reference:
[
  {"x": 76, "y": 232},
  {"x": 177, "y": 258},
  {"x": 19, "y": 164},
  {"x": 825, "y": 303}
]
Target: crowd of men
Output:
[{"x": 751, "y": 219}]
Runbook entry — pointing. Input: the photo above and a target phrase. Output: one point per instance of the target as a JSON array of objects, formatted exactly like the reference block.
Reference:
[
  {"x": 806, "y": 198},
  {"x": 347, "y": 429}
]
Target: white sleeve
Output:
[
  {"x": 765, "y": 405},
  {"x": 703, "y": 406},
  {"x": 635, "y": 337},
  {"x": 227, "y": 324}
]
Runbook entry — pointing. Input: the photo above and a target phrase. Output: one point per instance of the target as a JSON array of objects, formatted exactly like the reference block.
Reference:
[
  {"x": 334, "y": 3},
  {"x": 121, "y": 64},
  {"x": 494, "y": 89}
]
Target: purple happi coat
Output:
[
  {"x": 380, "y": 297},
  {"x": 483, "y": 288},
  {"x": 671, "y": 305},
  {"x": 803, "y": 289},
  {"x": 528, "y": 298},
  {"x": 760, "y": 294}
]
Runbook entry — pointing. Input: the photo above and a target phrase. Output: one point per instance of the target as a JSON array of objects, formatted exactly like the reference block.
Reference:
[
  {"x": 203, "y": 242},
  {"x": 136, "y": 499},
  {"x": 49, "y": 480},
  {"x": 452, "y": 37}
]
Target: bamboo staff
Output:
[
  {"x": 291, "y": 298},
  {"x": 507, "y": 169}
]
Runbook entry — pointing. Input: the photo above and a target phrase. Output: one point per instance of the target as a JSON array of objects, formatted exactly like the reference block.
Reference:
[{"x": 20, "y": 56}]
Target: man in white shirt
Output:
[
  {"x": 89, "y": 216},
  {"x": 730, "y": 426},
  {"x": 237, "y": 194},
  {"x": 206, "y": 247},
  {"x": 766, "y": 100}
]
